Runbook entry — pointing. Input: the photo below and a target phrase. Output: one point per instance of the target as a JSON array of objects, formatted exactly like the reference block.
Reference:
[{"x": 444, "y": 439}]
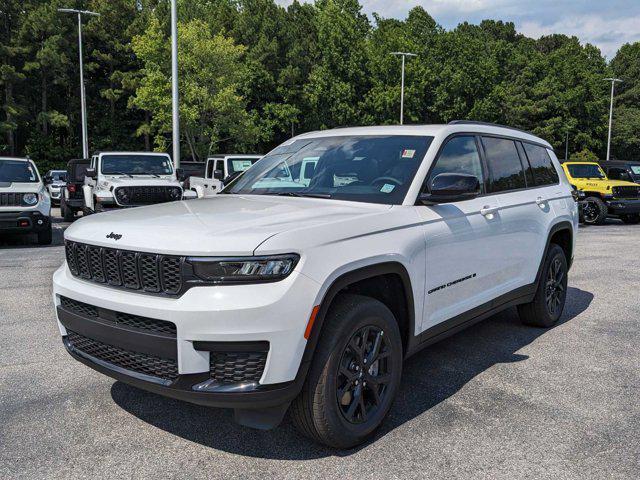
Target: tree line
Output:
[{"x": 252, "y": 73}]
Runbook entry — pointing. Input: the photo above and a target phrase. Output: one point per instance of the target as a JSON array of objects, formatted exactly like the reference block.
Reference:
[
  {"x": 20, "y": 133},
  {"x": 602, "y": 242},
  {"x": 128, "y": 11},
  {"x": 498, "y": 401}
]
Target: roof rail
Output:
[{"x": 487, "y": 124}]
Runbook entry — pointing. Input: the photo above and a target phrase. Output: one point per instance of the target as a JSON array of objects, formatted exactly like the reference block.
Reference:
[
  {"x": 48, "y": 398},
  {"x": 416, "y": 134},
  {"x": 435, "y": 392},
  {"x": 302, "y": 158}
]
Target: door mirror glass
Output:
[
  {"x": 451, "y": 187},
  {"x": 91, "y": 172},
  {"x": 180, "y": 174},
  {"x": 218, "y": 174}
]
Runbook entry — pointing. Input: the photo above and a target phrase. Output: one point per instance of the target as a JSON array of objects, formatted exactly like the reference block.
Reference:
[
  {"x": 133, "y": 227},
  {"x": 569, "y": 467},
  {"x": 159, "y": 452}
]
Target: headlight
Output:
[
  {"x": 122, "y": 195},
  {"x": 175, "y": 193},
  {"x": 244, "y": 269},
  {"x": 30, "y": 198}
]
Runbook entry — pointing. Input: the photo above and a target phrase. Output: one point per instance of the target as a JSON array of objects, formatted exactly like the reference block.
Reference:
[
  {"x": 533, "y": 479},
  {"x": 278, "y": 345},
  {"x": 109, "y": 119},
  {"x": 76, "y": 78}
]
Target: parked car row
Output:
[{"x": 606, "y": 189}]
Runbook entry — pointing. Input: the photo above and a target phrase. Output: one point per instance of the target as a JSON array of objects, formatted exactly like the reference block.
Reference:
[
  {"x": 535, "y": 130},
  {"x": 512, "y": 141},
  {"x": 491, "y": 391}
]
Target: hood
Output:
[
  {"x": 140, "y": 180},
  {"x": 221, "y": 225},
  {"x": 21, "y": 187},
  {"x": 603, "y": 184}
]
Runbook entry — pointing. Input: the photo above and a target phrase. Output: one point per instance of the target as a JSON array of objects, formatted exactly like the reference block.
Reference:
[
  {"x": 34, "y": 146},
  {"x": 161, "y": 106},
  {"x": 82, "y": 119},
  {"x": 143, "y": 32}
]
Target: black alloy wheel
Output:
[
  {"x": 554, "y": 289},
  {"x": 364, "y": 372}
]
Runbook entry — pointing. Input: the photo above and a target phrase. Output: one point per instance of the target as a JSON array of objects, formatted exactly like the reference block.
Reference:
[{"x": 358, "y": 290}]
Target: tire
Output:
[
  {"x": 541, "y": 312},
  {"x": 45, "y": 237},
  {"x": 67, "y": 213},
  {"x": 630, "y": 218},
  {"x": 595, "y": 211},
  {"x": 320, "y": 412}
]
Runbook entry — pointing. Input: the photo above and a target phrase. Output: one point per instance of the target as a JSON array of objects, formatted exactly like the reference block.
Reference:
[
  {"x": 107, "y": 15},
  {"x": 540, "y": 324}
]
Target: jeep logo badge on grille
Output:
[{"x": 115, "y": 236}]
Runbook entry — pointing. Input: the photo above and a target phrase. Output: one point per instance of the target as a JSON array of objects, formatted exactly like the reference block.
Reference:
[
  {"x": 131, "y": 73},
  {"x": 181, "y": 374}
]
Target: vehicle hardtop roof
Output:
[
  {"x": 133, "y": 153},
  {"x": 20, "y": 159},
  {"x": 234, "y": 155},
  {"x": 619, "y": 162},
  {"x": 74, "y": 161},
  {"x": 440, "y": 130}
]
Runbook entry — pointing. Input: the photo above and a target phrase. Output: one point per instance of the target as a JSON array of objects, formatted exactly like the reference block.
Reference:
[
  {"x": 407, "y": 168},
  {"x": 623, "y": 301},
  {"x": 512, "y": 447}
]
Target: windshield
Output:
[
  {"x": 374, "y": 169},
  {"x": 136, "y": 165},
  {"x": 17, "y": 171},
  {"x": 240, "y": 164},
  {"x": 585, "y": 171},
  {"x": 58, "y": 176}
]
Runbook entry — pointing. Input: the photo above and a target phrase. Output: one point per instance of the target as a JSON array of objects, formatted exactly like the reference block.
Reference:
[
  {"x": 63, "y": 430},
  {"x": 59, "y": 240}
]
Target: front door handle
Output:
[
  {"x": 541, "y": 201},
  {"x": 488, "y": 210}
]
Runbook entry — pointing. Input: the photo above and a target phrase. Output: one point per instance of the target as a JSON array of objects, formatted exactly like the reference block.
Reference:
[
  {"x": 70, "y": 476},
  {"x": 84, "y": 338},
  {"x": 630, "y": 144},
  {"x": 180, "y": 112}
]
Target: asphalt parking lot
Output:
[{"x": 499, "y": 400}]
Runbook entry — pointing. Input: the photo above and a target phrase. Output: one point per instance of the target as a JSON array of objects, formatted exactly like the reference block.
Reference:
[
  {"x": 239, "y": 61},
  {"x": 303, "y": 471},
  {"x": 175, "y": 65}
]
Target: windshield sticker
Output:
[
  {"x": 635, "y": 169},
  {"x": 387, "y": 188},
  {"x": 408, "y": 153}
]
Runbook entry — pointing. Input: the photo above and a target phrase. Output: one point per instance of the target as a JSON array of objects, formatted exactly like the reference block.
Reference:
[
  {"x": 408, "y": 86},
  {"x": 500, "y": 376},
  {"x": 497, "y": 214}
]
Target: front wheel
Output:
[
  {"x": 595, "y": 211},
  {"x": 354, "y": 374},
  {"x": 551, "y": 293}
]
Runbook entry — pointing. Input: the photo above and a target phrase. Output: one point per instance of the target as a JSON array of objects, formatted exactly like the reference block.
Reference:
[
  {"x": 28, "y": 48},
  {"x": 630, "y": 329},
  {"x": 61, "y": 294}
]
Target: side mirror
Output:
[
  {"x": 180, "y": 175},
  {"x": 91, "y": 173},
  {"x": 218, "y": 174},
  {"x": 451, "y": 187},
  {"x": 48, "y": 179}
]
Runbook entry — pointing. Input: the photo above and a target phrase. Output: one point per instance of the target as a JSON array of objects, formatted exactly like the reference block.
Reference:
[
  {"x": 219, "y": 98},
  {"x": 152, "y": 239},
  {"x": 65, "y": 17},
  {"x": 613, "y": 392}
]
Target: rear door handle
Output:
[{"x": 488, "y": 210}]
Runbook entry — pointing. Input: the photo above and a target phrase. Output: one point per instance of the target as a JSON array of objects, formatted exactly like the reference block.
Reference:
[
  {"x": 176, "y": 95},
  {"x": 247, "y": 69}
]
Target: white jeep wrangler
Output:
[
  {"x": 307, "y": 296},
  {"x": 25, "y": 205},
  {"x": 129, "y": 179},
  {"x": 220, "y": 169}
]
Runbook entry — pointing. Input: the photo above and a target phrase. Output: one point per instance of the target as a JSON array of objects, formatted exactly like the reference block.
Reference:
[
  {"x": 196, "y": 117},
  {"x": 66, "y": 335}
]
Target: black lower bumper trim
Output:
[
  {"x": 24, "y": 222},
  {"x": 264, "y": 396}
]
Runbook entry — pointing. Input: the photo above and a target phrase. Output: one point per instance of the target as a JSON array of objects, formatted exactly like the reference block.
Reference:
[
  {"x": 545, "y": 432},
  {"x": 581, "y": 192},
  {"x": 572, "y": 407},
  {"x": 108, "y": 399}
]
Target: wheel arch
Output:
[
  {"x": 562, "y": 234},
  {"x": 363, "y": 280}
]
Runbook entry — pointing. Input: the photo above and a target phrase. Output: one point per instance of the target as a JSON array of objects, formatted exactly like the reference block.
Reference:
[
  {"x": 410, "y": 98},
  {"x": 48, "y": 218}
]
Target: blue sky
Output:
[{"x": 606, "y": 24}]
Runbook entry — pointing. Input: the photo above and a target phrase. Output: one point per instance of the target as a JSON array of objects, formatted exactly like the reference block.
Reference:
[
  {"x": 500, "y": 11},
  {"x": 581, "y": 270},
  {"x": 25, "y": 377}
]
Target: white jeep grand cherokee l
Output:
[{"x": 278, "y": 294}]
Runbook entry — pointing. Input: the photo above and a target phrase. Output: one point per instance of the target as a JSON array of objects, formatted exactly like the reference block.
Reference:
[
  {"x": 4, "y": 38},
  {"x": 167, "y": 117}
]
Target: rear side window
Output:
[
  {"x": 459, "y": 155},
  {"x": 503, "y": 161},
  {"x": 544, "y": 172}
]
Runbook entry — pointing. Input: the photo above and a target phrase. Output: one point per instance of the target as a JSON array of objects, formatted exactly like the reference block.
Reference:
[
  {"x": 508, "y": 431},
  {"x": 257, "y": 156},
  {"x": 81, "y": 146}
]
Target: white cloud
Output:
[{"x": 606, "y": 24}]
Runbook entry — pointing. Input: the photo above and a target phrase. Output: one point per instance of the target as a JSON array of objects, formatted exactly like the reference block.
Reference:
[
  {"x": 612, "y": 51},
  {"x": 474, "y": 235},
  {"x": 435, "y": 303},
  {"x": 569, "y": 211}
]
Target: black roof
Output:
[
  {"x": 78, "y": 160},
  {"x": 619, "y": 162}
]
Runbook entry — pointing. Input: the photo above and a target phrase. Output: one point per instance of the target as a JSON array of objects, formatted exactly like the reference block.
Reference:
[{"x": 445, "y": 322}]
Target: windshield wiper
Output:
[
  {"x": 300, "y": 194},
  {"x": 120, "y": 173}
]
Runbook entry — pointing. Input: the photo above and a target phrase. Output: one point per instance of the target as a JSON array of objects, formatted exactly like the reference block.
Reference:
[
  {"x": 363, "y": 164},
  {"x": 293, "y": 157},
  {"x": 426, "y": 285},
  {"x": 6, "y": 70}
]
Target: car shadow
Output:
[{"x": 429, "y": 378}]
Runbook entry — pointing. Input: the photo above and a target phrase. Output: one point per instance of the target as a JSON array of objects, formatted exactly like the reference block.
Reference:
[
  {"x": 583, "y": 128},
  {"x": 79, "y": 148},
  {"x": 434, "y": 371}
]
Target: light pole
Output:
[
  {"x": 566, "y": 146},
  {"x": 174, "y": 84},
  {"x": 83, "y": 102},
  {"x": 613, "y": 86},
  {"x": 403, "y": 55}
]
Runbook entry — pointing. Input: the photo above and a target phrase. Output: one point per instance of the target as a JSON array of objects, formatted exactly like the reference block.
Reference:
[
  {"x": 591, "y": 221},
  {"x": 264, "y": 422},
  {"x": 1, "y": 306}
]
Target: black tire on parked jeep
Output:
[
  {"x": 551, "y": 293},
  {"x": 67, "y": 213},
  {"x": 595, "y": 211},
  {"x": 46, "y": 236},
  {"x": 630, "y": 218},
  {"x": 354, "y": 375}
]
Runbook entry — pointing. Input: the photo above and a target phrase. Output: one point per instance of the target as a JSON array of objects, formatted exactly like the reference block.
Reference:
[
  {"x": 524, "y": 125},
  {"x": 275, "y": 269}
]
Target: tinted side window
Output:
[
  {"x": 459, "y": 155},
  {"x": 505, "y": 169},
  {"x": 543, "y": 169}
]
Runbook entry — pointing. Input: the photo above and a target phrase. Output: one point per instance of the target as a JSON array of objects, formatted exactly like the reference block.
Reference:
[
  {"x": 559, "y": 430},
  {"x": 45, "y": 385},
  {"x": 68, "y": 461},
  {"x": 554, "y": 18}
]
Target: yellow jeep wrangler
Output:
[{"x": 603, "y": 197}]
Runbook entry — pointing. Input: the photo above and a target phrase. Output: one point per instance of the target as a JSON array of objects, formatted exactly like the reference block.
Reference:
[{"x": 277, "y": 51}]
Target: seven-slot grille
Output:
[
  {"x": 11, "y": 199},
  {"x": 145, "y": 272},
  {"x": 626, "y": 191},
  {"x": 142, "y": 195},
  {"x": 138, "y": 362},
  {"x": 237, "y": 367},
  {"x": 118, "y": 318}
]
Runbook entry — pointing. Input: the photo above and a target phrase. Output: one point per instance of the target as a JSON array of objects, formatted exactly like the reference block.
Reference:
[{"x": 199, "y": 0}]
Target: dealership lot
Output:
[{"x": 499, "y": 400}]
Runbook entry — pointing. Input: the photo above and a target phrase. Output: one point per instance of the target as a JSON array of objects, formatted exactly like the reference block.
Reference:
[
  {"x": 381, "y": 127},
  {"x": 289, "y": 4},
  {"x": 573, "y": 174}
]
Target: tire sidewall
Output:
[
  {"x": 602, "y": 211},
  {"x": 554, "y": 252},
  {"x": 363, "y": 314}
]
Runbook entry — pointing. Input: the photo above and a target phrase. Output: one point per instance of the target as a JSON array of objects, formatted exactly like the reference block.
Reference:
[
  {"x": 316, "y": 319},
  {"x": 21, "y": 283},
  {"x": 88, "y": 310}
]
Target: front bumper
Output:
[
  {"x": 26, "y": 221},
  {"x": 206, "y": 319},
  {"x": 623, "y": 206}
]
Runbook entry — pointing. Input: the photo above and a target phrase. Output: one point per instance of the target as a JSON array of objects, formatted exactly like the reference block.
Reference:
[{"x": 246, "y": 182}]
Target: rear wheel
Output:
[
  {"x": 46, "y": 236},
  {"x": 354, "y": 375},
  {"x": 551, "y": 294},
  {"x": 630, "y": 218},
  {"x": 595, "y": 211},
  {"x": 67, "y": 213}
]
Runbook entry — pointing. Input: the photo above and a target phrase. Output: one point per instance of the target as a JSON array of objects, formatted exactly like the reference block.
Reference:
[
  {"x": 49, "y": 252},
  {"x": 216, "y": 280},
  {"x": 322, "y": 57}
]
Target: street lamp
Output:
[
  {"x": 403, "y": 55},
  {"x": 83, "y": 102},
  {"x": 613, "y": 85},
  {"x": 174, "y": 84}
]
